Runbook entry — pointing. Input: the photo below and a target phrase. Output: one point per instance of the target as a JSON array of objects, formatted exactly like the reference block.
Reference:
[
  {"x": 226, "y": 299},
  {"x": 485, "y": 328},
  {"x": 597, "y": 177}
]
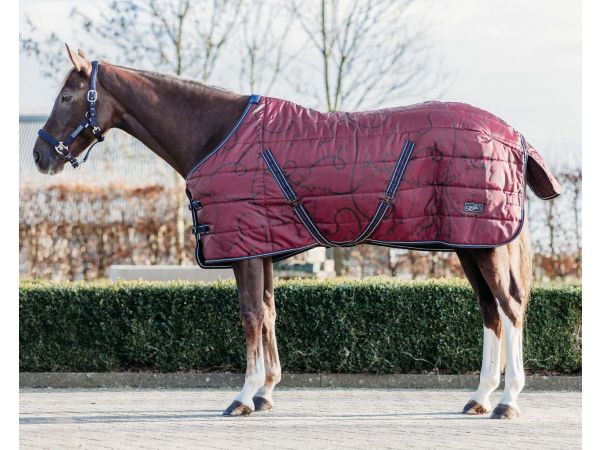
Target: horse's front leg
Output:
[
  {"x": 263, "y": 400},
  {"x": 249, "y": 276}
]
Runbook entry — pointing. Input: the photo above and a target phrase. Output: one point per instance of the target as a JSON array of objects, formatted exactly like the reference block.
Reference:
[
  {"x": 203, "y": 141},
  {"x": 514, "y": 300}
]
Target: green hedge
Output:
[{"x": 374, "y": 326}]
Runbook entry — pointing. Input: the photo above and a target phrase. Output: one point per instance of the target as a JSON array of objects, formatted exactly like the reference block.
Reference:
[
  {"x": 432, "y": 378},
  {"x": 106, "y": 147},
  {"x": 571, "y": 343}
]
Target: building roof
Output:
[{"x": 120, "y": 159}]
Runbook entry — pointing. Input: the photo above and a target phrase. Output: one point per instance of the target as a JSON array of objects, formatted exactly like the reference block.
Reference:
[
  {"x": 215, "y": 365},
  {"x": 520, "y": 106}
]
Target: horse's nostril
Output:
[{"x": 36, "y": 155}]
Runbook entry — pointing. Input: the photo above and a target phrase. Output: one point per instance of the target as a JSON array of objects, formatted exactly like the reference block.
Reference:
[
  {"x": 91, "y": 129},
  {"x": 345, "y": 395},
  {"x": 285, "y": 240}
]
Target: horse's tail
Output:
[{"x": 539, "y": 177}]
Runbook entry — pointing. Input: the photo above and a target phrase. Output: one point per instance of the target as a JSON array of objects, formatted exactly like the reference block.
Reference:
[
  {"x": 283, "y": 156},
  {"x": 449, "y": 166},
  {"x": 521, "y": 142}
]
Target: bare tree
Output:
[
  {"x": 556, "y": 228},
  {"x": 577, "y": 179},
  {"x": 367, "y": 55},
  {"x": 368, "y": 52},
  {"x": 182, "y": 37},
  {"x": 263, "y": 51},
  {"x": 572, "y": 181},
  {"x": 46, "y": 48}
]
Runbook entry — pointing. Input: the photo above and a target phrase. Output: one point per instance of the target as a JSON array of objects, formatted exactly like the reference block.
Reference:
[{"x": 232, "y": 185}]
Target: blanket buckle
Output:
[
  {"x": 295, "y": 202},
  {"x": 194, "y": 205},
  {"x": 388, "y": 199},
  {"x": 200, "y": 229}
]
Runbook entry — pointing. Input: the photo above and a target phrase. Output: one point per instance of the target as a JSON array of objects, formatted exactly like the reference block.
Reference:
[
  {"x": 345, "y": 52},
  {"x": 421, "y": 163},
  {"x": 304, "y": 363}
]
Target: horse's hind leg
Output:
[
  {"x": 250, "y": 285},
  {"x": 489, "y": 378},
  {"x": 263, "y": 399},
  {"x": 508, "y": 272}
]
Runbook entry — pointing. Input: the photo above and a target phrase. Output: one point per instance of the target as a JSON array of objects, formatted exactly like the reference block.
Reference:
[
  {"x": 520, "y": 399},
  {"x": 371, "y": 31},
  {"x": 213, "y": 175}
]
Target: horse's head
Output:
[{"x": 73, "y": 125}]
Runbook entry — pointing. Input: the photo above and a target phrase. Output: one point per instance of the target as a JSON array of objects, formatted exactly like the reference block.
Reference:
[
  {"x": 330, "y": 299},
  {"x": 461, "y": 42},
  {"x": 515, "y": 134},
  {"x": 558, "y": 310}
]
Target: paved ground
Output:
[{"x": 302, "y": 418}]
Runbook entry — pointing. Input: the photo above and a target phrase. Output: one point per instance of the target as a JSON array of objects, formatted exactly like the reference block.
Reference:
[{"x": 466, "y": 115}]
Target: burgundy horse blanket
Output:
[{"x": 431, "y": 176}]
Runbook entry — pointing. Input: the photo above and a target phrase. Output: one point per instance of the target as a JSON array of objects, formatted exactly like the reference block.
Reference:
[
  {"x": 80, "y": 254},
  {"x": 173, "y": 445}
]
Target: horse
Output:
[{"x": 183, "y": 121}]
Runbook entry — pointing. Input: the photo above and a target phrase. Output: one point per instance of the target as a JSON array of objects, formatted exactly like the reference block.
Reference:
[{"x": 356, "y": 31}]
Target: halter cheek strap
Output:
[{"x": 90, "y": 122}]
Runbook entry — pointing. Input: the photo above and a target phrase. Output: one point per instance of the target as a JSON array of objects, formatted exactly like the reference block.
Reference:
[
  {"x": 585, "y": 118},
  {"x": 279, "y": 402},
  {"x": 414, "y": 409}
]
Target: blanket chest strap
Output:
[{"x": 299, "y": 209}]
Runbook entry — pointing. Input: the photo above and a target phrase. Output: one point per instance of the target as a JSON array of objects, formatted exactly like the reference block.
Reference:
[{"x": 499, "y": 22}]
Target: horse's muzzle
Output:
[{"x": 46, "y": 160}]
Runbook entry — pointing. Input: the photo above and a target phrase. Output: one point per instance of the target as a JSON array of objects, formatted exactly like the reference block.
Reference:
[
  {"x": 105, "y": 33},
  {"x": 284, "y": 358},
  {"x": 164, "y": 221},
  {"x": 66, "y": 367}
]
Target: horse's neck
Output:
[{"x": 178, "y": 120}]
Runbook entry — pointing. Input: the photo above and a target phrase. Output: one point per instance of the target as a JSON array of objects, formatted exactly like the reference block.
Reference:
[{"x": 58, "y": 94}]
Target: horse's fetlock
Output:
[
  {"x": 516, "y": 383},
  {"x": 491, "y": 382},
  {"x": 274, "y": 376}
]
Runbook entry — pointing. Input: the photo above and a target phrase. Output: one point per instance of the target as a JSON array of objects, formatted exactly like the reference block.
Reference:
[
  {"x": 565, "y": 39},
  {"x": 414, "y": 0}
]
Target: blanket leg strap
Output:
[
  {"x": 383, "y": 207},
  {"x": 293, "y": 199}
]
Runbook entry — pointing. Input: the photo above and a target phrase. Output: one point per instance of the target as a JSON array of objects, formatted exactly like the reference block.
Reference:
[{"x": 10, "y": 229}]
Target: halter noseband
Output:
[{"x": 89, "y": 121}]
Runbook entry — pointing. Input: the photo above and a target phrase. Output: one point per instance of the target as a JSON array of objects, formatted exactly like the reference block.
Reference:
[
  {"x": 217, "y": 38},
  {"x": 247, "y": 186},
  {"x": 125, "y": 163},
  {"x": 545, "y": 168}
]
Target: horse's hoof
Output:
[
  {"x": 505, "y": 412},
  {"x": 237, "y": 409},
  {"x": 262, "y": 404},
  {"x": 475, "y": 408}
]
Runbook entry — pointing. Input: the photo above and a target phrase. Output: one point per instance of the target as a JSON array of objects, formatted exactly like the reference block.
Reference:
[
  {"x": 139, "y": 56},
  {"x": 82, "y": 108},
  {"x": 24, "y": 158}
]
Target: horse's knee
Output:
[
  {"x": 252, "y": 318},
  {"x": 269, "y": 309},
  {"x": 269, "y": 299},
  {"x": 252, "y": 315}
]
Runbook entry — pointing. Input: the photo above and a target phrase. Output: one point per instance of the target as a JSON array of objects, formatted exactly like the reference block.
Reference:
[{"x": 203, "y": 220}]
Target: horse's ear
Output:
[{"x": 81, "y": 64}]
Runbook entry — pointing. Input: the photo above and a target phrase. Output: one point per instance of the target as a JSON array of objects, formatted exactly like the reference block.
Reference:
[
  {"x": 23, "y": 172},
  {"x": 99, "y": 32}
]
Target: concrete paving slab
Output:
[{"x": 302, "y": 419}]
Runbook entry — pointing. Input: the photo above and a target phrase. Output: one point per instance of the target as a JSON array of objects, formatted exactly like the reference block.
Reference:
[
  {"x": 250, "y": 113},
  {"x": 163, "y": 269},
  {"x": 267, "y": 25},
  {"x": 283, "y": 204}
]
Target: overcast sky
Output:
[{"x": 519, "y": 59}]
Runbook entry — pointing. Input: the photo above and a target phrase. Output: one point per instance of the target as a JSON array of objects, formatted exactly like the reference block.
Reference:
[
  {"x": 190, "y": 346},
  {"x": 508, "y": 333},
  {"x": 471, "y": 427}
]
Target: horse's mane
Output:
[{"x": 173, "y": 78}]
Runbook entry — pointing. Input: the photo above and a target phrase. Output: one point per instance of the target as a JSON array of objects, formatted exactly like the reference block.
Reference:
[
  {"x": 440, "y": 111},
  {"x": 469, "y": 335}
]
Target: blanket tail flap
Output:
[{"x": 539, "y": 177}]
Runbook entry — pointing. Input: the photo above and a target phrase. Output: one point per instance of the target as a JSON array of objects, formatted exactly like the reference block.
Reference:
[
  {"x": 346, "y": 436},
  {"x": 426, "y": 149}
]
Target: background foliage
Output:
[
  {"x": 71, "y": 233},
  {"x": 328, "y": 54},
  {"x": 77, "y": 232},
  {"x": 371, "y": 326}
]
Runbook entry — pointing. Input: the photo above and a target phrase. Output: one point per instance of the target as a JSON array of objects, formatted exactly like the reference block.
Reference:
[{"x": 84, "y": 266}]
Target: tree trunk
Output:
[
  {"x": 338, "y": 261},
  {"x": 180, "y": 205}
]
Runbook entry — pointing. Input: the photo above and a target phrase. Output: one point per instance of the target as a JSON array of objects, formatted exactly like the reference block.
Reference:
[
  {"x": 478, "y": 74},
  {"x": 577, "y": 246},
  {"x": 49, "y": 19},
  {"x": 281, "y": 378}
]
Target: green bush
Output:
[{"x": 374, "y": 326}]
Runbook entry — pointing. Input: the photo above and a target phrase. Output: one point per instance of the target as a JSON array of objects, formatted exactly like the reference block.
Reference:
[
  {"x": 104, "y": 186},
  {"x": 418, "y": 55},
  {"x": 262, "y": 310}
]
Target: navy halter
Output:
[{"x": 89, "y": 121}]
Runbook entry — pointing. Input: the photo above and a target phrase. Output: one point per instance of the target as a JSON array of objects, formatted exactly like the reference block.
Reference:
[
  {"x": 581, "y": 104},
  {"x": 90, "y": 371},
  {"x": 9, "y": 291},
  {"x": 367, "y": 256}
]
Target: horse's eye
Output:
[{"x": 66, "y": 98}]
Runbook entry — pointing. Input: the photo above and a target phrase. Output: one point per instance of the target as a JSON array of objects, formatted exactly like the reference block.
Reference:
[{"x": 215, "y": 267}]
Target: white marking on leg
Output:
[
  {"x": 266, "y": 391},
  {"x": 253, "y": 381},
  {"x": 514, "y": 380},
  {"x": 489, "y": 379},
  {"x": 272, "y": 364}
]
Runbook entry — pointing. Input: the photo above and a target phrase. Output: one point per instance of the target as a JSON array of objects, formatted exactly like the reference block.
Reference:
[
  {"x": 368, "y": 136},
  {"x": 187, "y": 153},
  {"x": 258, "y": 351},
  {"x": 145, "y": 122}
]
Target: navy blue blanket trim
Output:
[
  {"x": 292, "y": 198},
  {"x": 417, "y": 245},
  {"x": 399, "y": 169},
  {"x": 382, "y": 208},
  {"x": 253, "y": 100}
]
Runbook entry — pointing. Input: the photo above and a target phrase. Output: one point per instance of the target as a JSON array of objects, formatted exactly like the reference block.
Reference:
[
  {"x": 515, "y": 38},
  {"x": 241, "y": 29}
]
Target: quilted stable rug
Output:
[{"x": 431, "y": 176}]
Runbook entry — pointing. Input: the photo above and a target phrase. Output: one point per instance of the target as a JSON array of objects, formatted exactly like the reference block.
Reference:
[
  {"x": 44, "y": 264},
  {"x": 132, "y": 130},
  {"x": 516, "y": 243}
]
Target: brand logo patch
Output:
[{"x": 473, "y": 207}]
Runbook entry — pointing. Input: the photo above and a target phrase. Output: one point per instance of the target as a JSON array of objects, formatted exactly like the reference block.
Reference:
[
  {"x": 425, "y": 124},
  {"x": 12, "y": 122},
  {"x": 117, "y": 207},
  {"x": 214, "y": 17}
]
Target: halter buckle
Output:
[
  {"x": 92, "y": 95},
  {"x": 60, "y": 147}
]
